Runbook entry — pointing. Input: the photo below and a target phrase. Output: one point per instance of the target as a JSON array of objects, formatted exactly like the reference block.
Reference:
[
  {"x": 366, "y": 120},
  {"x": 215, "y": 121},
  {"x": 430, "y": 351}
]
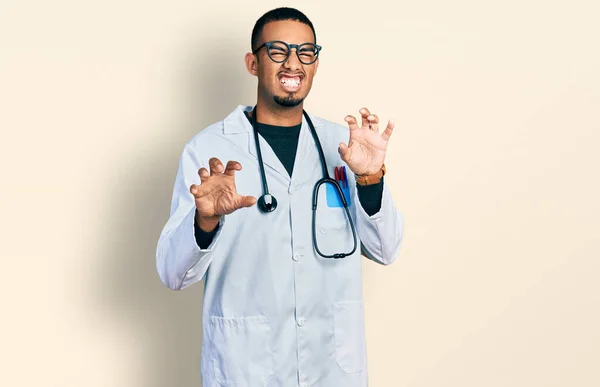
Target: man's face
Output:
[{"x": 286, "y": 83}]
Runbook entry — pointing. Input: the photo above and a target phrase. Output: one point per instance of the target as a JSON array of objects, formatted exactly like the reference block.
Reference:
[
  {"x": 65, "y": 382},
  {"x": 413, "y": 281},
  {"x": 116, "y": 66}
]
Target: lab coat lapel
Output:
[
  {"x": 270, "y": 159},
  {"x": 306, "y": 163},
  {"x": 238, "y": 123}
]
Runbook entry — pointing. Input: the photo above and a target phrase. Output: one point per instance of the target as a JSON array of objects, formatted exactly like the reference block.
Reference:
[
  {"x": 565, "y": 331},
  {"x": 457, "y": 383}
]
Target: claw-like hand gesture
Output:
[
  {"x": 365, "y": 151},
  {"x": 216, "y": 194}
]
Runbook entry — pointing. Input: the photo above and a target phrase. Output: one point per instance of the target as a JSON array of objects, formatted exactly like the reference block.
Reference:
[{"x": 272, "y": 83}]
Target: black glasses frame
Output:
[{"x": 289, "y": 47}]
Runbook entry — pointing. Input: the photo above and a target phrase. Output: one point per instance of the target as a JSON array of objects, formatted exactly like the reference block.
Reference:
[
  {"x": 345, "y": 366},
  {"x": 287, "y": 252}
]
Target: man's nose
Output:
[{"x": 292, "y": 61}]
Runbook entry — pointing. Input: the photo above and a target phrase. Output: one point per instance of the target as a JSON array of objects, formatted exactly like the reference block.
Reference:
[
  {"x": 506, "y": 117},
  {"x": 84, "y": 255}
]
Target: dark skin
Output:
[{"x": 216, "y": 195}]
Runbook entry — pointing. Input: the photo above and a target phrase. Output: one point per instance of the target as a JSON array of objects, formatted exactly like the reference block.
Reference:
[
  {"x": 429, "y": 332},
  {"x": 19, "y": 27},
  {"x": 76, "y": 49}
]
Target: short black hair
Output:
[{"x": 279, "y": 14}]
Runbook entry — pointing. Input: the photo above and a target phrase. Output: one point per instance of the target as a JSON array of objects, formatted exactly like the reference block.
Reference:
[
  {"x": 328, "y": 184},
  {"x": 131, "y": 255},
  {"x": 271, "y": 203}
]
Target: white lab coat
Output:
[{"x": 275, "y": 312}]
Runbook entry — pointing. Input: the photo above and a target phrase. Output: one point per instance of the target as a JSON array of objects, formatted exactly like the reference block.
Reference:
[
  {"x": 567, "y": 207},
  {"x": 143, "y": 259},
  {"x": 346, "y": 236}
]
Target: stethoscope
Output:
[{"x": 268, "y": 203}]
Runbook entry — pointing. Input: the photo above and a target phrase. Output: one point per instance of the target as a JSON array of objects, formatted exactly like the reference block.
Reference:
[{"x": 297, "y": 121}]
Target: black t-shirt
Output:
[
  {"x": 282, "y": 139},
  {"x": 284, "y": 142}
]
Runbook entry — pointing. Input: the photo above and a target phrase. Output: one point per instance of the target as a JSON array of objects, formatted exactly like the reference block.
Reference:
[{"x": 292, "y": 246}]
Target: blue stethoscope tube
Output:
[{"x": 268, "y": 203}]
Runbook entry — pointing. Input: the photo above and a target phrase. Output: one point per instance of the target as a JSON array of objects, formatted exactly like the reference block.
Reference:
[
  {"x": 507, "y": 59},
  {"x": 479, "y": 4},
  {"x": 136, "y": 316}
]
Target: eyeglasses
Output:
[{"x": 279, "y": 51}]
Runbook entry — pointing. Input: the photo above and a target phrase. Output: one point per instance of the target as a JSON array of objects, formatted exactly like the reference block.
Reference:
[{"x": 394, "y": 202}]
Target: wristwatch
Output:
[{"x": 370, "y": 179}]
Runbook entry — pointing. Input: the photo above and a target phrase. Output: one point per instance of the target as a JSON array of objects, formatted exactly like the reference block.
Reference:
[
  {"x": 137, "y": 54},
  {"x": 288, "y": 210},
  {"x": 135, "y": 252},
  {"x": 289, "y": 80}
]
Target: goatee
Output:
[{"x": 288, "y": 101}]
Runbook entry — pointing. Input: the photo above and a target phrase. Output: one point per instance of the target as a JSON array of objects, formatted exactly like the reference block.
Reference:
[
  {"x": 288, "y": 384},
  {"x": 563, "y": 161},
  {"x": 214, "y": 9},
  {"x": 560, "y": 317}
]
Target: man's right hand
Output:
[{"x": 216, "y": 194}]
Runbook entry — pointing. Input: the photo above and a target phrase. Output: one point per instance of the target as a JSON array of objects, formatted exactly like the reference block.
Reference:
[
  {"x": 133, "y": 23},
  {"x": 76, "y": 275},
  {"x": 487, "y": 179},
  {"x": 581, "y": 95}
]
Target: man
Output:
[{"x": 276, "y": 311}]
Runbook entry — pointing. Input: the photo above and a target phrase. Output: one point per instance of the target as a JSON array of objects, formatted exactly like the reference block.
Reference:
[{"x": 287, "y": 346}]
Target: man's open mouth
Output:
[{"x": 290, "y": 82}]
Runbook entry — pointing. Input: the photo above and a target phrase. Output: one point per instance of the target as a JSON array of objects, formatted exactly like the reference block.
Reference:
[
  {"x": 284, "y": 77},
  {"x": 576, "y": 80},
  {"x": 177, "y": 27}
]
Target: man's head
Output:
[{"x": 281, "y": 81}]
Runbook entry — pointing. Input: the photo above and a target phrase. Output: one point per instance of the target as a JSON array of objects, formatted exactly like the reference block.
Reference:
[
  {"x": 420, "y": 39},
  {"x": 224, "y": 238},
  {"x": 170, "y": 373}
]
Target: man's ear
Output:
[
  {"x": 251, "y": 64},
  {"x": 316, "y": 64}
]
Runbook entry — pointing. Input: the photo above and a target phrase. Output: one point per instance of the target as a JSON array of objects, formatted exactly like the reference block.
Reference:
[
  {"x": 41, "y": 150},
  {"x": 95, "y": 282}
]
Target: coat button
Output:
[
  {"x": 296, "y": 256},
  {"x": 301, "y": 322}
]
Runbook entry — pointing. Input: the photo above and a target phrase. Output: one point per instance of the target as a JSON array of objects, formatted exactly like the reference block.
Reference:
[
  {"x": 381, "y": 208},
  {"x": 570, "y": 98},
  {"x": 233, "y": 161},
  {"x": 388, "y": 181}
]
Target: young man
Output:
[{"x": 283, "y": 302}]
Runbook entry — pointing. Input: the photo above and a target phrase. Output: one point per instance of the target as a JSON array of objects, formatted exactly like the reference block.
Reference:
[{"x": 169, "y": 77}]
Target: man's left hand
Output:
[{"x": 366, "y": 148}]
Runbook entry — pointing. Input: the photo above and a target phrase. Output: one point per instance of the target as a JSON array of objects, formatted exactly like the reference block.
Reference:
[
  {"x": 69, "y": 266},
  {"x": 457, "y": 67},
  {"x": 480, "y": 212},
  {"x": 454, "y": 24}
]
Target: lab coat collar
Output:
[{"x": 237, "y": 123}]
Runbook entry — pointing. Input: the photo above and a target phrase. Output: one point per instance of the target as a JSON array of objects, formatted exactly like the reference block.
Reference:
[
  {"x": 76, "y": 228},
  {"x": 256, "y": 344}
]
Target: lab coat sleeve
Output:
[
  {"x": 380, "y": 234},
  {"x": 179, "y": 260}
]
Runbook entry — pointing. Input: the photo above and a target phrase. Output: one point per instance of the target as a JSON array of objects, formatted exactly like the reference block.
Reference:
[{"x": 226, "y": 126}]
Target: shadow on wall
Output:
[{"x": 163, "y": 328}]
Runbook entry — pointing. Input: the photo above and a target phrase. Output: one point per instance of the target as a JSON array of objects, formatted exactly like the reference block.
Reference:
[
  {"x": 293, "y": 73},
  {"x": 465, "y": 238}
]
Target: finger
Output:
[
  {"x": 198, "y": 190},
  {"x": 387, "y": 133},
  {"x": 373, "y": 122},
  {"x": 364, "y": 112},
  {"x": 351, "y": 122},
  {"x": 216, "y": 166},
  {"x": 231, "y": 167},
  {"x": 246, "y": 201},
  {"x": 343, "y": 151},
  {"x": 204, "y": 175},
  {"x": 195, "y": 190}
]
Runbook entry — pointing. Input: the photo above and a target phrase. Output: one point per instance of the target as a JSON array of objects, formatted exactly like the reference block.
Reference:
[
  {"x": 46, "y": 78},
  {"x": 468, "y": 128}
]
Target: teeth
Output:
[{"x": 290, "y": 82}]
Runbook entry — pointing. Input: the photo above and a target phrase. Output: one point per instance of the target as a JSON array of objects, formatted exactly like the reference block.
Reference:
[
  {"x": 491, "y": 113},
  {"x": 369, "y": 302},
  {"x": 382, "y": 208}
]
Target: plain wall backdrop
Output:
[{"x": 494, "y": 163}]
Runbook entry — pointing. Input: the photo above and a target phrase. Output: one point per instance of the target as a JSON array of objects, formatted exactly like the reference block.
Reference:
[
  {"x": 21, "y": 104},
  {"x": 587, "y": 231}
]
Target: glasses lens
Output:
[
  {"x": 278, "y": 52},
  {"x": 307, "y": 53}
]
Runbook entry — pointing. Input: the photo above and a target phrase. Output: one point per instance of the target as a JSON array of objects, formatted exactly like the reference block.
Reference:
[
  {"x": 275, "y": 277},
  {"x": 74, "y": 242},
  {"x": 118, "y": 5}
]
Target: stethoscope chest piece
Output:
[{"x": 267, "y": 203}]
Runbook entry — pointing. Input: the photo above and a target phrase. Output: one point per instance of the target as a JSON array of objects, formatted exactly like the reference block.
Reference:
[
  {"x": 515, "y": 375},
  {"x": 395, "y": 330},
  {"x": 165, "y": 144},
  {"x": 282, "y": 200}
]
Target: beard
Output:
[{"x": 288, "y": 101}]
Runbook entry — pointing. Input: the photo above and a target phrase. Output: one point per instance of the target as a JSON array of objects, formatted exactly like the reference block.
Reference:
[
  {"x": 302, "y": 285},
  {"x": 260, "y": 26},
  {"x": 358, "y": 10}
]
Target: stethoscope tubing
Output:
[{"x": 326, "y": 179}]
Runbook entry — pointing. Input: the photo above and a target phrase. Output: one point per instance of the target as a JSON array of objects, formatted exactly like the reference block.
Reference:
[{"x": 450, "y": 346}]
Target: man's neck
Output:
[{"x": 278, "y": 116}]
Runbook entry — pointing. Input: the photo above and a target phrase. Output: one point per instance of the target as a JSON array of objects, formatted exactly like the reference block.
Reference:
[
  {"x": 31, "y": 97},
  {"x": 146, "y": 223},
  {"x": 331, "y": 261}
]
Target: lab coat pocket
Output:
[
  {"x": 349, "y": 334},
  {"x": 242, "y": 351},
  {"x": 332, "y": 221},
  {"x": 330, "y": 218},
  {"x": 333, "y": 232}
]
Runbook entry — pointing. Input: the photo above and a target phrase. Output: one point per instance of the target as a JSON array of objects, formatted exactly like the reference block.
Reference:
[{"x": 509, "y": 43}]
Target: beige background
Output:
[{"x": 494, "y": 164}]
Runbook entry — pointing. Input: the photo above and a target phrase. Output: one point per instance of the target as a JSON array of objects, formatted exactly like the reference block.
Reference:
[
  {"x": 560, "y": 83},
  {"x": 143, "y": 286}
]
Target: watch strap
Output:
[{"x": 370, "y": 179}]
